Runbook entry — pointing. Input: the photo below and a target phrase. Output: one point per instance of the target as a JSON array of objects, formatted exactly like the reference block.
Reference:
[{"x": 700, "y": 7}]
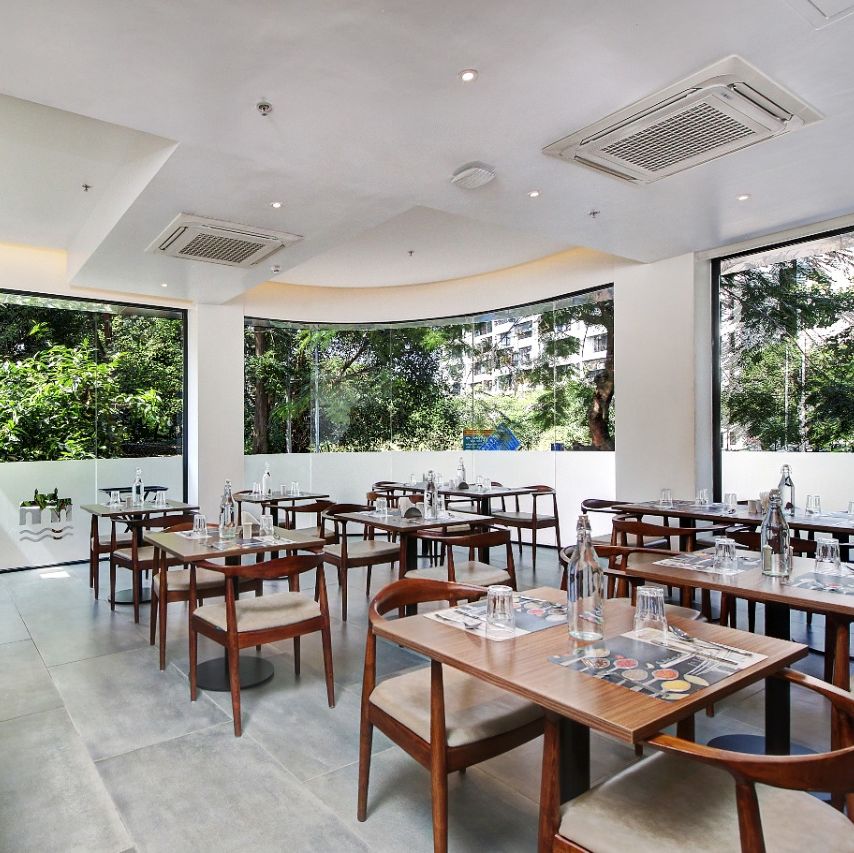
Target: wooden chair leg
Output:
[
  {"x": 519, "y": 535},
  {"x": 234, "y": 684},
  {"x": 326, "y": 639},
  {"x": 152, "y": 632},
  {"x": 194, "y": 650},
  {"x": 137, "y": 586},
  {"x": 751, "y": 616},
  {"x": 368, "y": 583},
  {"x": 366, "y": 738},
  {"x": 342, "y": 581},
  {"x": 112, "y": 585},
  {"x": 439, "y": 790},
  {"x": 706, "y": 604},
  {"x": 829, "y": 649},
  {"x": 533, "y": 549},
  {"x": 163, "y": 602},
  {"x": 296, "y": 656}
]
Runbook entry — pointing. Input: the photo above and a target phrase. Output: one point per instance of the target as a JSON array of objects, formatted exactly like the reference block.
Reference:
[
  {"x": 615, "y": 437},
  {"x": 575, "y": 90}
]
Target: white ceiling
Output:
[{"x": 370, "y": 121}]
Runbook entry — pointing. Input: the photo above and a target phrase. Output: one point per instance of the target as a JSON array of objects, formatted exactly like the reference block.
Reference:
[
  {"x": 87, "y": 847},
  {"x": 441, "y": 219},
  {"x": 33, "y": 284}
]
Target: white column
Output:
[
  {"x": 215, "y": 403},
  {"x": 662, "y": 357}
]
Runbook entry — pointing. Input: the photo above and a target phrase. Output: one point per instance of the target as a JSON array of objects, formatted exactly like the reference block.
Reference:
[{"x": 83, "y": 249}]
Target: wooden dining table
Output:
[
  {"x": 254, "y": 670},
  {"x": 126, "y": 510},
  {"x": 481, "y": 498},
  {"x": 521, "y": 666},
  {"x": 274, "y": 501},
  {"x": 840, "y": 524},
  {"x": 406, "y": 528}
]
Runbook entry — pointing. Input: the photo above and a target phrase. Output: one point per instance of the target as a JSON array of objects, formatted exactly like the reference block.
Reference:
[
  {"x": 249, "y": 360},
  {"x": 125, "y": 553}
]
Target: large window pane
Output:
[
  {"x": 787, "y": 366},
  {"x": 530, "y": 378}
]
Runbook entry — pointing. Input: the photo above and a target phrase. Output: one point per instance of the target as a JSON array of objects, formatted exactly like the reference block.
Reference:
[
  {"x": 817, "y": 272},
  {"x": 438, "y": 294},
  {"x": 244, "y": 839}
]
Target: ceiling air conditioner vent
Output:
[
  {"x": 217, "y": 242},
  {"x": 721, "y": 109}
]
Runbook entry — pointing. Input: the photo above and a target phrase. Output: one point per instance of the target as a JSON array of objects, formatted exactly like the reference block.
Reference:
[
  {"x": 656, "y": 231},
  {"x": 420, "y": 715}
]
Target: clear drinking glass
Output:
[
  {"x": 115, "y": 497},
  {"x": 200, "y": 526},
  {"x": 816, "y": 504},
  {"x": 666, "y": 498},
  {"x": 413, "y": 479},
  {"x": 440, "y": 505},
  {"x": 649, "y": 610},
  {"x": 726, "y": 557},
  {"x": 500, "y": 615},
  {"x": 294, "y": 487},
  {"x": 256, "y": 490},
  {"x": 702, "y": 498},
  {"x": 827, "y": 560},
  {"x": 160, "y": 498},
  {"x": 266, "y": 528},
  {"x": 731, "y": 502},
  {"x": 480, "y": 484},
  {"x": 850, "y": 507},
  {"x": 381, "y": 507},
  {"x": 283, "y": 489},
  {"x": 247, "y": 530}
]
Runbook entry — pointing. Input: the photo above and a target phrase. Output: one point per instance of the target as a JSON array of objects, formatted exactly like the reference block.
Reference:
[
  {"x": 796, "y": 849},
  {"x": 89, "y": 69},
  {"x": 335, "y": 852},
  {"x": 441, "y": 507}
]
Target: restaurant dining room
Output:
[{"x": 426, "y": 426}]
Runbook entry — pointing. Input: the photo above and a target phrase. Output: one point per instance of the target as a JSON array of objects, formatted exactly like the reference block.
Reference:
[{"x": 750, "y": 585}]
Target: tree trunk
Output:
[
  {"x": 603, "y": 392},
  {"x": 260, "y": 431}
]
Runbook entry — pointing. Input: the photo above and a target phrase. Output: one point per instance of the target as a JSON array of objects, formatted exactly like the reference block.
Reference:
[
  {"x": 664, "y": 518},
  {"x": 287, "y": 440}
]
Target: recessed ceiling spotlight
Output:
[
  {"x": 163, "y": 284},
  {"x": 534, "y": 194},
  {"x": 276, "y": 204},
  {"x": 468, "y": 75},
  {"x": 743, "y": 197}
]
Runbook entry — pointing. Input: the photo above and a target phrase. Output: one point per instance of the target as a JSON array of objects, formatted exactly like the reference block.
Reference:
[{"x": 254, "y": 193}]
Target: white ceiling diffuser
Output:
[
  {"x": 721, "y": 109},
  {"x": 214, "y": 241},
  {"x": 473, "y": 175}
]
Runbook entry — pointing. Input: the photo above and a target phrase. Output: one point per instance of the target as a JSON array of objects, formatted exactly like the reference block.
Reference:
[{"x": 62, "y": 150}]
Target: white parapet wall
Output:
[
  {"x": 347, "y": 477},
  {"x": 830, "y": 475},
  {"x": 42, "y": 538}
]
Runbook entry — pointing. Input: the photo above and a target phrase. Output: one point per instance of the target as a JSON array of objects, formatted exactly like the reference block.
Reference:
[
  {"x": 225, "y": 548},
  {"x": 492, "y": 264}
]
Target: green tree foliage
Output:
[
  {"x": 81, "y": 384},
  {"x": 787, "y": 367}
]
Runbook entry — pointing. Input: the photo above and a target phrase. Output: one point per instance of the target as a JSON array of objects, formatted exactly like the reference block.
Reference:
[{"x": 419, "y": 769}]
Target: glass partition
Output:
[
  {"x": 88, "y": 392},
  {"x": 785, "y": 368},
  {"x": 535, "y": 377}
]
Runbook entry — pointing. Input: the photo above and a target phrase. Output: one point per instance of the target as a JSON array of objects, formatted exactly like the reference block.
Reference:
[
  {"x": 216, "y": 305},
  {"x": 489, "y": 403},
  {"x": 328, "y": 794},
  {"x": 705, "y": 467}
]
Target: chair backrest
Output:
[
  {"x": 165, "y": 521},
  {"x": 489, "y": 539},
  {"x": 623, "y": 527},
  {"x": 316, "y": 508},
  {"x": 340, "y": 526},
  {"x": 752, "y": 539},
  {"x": 601, "y": 505}
]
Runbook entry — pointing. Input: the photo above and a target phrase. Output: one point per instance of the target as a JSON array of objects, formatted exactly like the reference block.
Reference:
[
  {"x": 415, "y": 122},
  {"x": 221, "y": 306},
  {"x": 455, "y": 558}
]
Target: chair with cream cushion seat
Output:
[
  {"x": 470, "y": 571},
  {"x": 317, "y": 509},
  {"x": 170, "y": 585},
  {"x": 346, "y": 555},
  {"x": 620, "y": 582},
  {"x": 695, "y": 797},
  {"x": 239, "y": 623},
  {"x": 140, "y": 558},
  {"x": 534, "y": 520},
  {"x": 446, "y": 720}
]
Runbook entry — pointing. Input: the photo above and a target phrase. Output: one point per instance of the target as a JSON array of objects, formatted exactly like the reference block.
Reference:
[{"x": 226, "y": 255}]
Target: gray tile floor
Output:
[{"x": 103, "y": 752}]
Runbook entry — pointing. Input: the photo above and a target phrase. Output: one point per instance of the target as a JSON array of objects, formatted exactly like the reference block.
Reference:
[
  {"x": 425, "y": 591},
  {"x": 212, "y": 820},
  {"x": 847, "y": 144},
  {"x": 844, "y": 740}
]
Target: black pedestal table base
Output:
[
  {"x": 125, "y": 596},
  {"x": 213, "y": 674}
]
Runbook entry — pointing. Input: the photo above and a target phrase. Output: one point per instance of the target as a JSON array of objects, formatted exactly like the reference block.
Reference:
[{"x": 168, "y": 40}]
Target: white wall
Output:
[
  {"x": 830, "y": 475},
  {"x": 654, "y": 363},
  {"x": 348, "y": 476},
  {"x": 214, "y": 402}
]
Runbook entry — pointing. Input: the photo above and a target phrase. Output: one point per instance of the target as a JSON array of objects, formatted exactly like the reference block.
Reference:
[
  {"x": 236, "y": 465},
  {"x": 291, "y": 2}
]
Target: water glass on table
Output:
[
  {"x": 256, "y": 490},
  {"x": 115, "y": 498},
  {"x": 294, "y": 488},
  {"x": 666, "y": 498},
  {"x": 649, "y": 610},
  {"x": 246, "y": 530},
  {"x": 266, "y": 526},
  {"x": 200, "y": 526},
  {"x": 813, "y": 504},
  {"x": 827, "y": 559},
  {"x": 381, "y": 507},
  {"x": 160, "y": 498},
  {"x": 702, "y": 497},
  {"x": 726, "y": 557},
  {"x": 731, "y": 502},
  {"x": 500, "y": 614}
]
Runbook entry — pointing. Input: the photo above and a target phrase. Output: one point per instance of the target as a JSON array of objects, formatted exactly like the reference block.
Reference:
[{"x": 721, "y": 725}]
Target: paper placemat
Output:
[
  {"x": 705, "y": 562},
  {"x": 820, "y": 582},
  {"x": 669, "y": 672}
]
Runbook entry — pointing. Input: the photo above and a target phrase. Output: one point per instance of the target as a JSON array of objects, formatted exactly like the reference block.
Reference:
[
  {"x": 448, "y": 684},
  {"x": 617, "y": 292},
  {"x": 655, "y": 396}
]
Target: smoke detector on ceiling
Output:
[
  {"x": 214, "y": 241},
  {"x": 721, "y": 109},
  {"x": 473, "y": 175}
]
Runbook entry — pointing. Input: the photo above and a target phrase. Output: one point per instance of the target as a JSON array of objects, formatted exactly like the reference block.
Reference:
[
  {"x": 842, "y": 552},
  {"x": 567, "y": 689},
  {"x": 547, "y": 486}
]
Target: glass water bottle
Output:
[
  {"x": 774, "y": 540},
  {"x": 266, "y": 488},
  {"x": 787, "y": 491},
  {"x": 227, "y": 514},
  {"x": 584, "y": 584},
  {"x": 137, "y": 491},
  {"x": 461, "y": 472},
  {"x": 431, "y": 497}
]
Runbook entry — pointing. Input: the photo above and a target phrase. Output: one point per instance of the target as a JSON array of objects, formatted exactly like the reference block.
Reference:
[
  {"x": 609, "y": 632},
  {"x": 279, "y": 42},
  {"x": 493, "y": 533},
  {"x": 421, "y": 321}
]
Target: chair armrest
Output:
[{"x": 281, "y": 567}]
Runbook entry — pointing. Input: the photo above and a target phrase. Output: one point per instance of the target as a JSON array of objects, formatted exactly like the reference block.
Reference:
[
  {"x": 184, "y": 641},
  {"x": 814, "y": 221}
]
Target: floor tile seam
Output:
[
  {"x": 331, "y": 770},
  {"x": 53, "y": 666},
  {"x": 112, "y": 757},
  {"x": 60, "y": 706}
]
